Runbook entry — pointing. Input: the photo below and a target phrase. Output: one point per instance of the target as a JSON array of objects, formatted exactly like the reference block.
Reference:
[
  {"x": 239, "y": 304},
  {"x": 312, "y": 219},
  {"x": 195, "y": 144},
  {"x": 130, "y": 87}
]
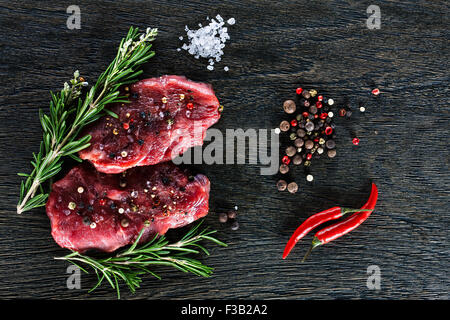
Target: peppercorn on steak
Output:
[
  {"x": 164, "y": 118},
  {"x": 92, "y": 210}
]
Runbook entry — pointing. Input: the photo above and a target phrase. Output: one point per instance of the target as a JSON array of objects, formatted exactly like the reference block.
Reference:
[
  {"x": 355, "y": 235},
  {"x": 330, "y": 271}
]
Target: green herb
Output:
[
  {"x": 69, "y": 114},
  {"x": 129, "y": 264}
]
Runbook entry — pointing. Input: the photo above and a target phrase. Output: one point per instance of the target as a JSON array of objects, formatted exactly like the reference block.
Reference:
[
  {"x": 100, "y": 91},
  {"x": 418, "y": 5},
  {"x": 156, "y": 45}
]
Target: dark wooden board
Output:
[{"x": 274, "y": 47}]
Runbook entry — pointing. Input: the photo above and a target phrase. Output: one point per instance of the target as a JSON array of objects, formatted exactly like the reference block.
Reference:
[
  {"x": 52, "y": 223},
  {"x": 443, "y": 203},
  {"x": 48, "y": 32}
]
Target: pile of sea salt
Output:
[{"x": 208, "y": 41}]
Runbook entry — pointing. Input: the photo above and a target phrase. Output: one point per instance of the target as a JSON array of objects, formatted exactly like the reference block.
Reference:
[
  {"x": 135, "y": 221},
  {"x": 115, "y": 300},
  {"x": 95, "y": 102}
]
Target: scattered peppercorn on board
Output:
[{"x": 274, "y": 48}]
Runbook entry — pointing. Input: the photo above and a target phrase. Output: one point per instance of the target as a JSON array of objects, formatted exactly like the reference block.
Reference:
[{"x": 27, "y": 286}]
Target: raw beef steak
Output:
[
  {"x": 166, "y": 116},
  {"x": 93, "y": 210}
]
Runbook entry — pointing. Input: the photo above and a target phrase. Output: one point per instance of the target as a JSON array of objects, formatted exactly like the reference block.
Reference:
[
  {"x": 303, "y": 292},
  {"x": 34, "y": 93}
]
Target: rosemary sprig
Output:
[
  {"x": 129, "y": 264},
  {"x": 69, "y": 114}
]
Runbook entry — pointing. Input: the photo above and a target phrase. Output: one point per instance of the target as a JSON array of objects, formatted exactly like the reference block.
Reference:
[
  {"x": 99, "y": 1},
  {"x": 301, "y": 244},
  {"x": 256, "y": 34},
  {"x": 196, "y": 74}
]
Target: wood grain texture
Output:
[{"x": 274, "y": 47}]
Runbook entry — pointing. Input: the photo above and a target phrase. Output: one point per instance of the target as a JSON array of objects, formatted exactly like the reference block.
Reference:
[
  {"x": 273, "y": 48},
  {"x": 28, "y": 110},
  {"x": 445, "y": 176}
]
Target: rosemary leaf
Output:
[{"x": 130, "y": 263}]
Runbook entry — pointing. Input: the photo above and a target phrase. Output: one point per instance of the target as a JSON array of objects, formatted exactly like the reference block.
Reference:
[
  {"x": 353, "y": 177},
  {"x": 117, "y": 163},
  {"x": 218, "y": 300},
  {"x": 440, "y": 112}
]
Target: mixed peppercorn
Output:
[
  {"x": 231, "y": 217},
  {"x": 311, "y": 132}
]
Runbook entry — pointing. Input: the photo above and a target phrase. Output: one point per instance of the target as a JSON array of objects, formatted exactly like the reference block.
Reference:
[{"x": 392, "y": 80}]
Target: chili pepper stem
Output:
[
  {"x": 351, "y": 210},
  {"x": 315, "y": 243}
]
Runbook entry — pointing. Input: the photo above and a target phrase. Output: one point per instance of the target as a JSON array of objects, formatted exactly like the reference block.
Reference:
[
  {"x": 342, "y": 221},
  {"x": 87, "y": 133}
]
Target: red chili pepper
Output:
[
  {"x": 314, "y": 221},
  {"x": 327, "y": 215},
  {"x": 348, "y": 224}
]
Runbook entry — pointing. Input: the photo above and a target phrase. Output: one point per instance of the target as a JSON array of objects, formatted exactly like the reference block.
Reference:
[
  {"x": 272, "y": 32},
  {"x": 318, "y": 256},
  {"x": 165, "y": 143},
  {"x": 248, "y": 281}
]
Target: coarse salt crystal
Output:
[
  {"x": 208, "y": 41},
  {"x": 231, "y": 21}
]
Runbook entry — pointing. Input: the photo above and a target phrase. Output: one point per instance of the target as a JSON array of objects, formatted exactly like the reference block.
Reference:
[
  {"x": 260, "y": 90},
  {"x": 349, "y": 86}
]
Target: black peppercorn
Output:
[
  {"x": 309, "y": 144},
  {"x": 284, "y": 125},
  {"x": 317, "y": 126},
  {"x": 86, "y": 221},
  {"x": 301, "y": 133},
  {"x": 235, "y": 226},
  {"x": 306, "y": 94},
  {"x": 284, "y": 169},
  {"x": 309, "y": 126},
  {"x": 232, "y": 214},
  {"x": 291, "y": 151},
  {"x": 289, "y": 106},
  {"x": 223, "y": 217},
  {"x": 330, "y": 144},
  {"x": 281, "y": 185},
  {"x": 165, "y": 180},
  {"x": 297, "y": 159},
  {"x": 331, "y": 153},
  {"x": 292, "y": 187},
  {"x": 298, "y": 143}
]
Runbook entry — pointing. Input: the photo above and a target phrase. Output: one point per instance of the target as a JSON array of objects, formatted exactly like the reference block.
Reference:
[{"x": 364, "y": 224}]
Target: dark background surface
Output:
[{"x": 274, "y": 47}]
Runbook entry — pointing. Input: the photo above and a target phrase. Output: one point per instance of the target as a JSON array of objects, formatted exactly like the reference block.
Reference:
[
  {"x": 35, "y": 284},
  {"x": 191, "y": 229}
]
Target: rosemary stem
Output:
[
  {"x": 36, "y": 182},
  {"x": 140, "y": 257},
  {"x": 105, "y": 87},
  {"x": 29, "y": 195},
  {"x": 180, "y": 244}
]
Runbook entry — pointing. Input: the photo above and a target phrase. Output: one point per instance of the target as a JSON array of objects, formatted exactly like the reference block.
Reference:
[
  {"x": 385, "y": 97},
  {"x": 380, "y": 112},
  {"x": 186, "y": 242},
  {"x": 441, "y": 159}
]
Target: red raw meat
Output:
[
  {"x": 93, "y": 210},
  {"x": 166, "y": 116}
]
